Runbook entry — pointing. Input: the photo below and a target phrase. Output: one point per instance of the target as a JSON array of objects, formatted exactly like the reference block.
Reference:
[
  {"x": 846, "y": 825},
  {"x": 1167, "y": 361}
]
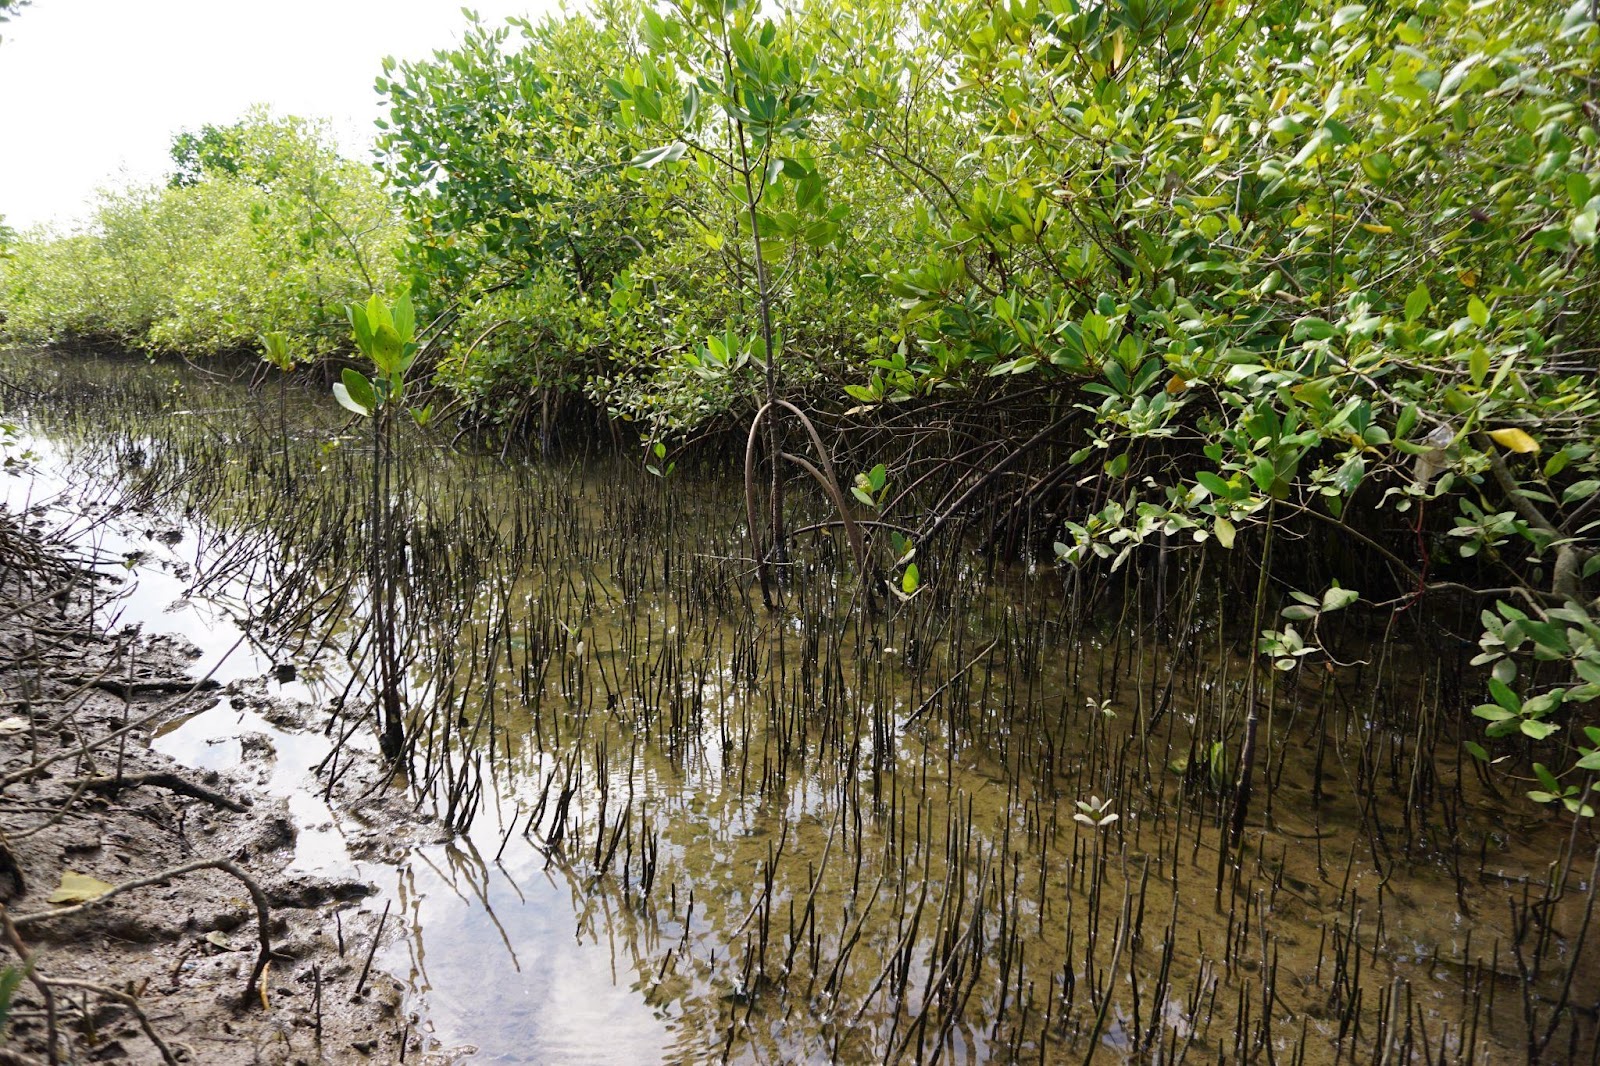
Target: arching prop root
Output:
[{"x": 823, "y": 474}]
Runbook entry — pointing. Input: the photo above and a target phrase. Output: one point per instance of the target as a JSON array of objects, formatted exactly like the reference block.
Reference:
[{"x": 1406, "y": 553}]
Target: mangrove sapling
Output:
[
  {"x": 1247, "y": 753},
  {"x": 275, "y": 352},
  {"x": 661, "y": 469},
  {"x": 386, "y": 336},
  {"x": 750, "y": 90}
]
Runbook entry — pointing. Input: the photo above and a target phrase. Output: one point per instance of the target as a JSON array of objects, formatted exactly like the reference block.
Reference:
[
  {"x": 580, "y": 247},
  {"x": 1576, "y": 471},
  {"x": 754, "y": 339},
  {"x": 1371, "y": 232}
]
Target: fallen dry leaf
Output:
[{"x": 78, "y": 888}]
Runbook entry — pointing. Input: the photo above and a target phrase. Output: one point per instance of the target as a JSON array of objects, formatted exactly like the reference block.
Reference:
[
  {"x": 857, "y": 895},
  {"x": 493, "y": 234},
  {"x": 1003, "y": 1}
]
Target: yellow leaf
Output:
[
  {"x": 1371, "y": 227},
  {"x": 1176, "y": 384},
  {"x": 1224, "y": 531},
  {"x": 78, "y": 888},
  {"x": 1280, "y": 98},
  {"x": 1515, "y": 440},
  {"x": 1469, "y": 278}
]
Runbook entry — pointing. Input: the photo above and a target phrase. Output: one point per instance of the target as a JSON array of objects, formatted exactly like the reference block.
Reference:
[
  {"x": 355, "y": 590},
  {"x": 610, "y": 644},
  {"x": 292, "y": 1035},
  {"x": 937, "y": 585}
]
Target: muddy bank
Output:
[{"x": 138, "y": 892}]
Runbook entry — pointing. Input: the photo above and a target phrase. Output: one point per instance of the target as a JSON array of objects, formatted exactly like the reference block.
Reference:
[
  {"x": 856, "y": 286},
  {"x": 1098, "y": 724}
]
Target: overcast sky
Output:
[{"x": 91, "y": 91}]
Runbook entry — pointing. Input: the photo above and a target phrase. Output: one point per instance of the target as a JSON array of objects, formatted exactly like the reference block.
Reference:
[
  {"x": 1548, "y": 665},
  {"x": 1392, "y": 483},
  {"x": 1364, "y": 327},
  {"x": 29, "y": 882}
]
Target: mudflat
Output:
[{"x": 149, "y": 912}]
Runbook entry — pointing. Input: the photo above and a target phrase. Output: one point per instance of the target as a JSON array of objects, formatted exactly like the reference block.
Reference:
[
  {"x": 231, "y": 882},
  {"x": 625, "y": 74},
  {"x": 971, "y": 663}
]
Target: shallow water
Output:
[{"x": 668, "y": 825}]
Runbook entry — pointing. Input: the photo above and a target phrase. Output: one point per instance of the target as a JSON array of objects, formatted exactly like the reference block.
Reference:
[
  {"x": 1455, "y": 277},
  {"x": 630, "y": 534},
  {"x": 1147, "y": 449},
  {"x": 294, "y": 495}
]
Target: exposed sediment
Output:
[{"x": 155, "y": 905}]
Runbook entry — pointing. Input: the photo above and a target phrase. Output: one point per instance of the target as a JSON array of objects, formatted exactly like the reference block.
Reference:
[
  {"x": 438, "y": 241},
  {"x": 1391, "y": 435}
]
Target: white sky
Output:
[{"x": 91, "y": 91}]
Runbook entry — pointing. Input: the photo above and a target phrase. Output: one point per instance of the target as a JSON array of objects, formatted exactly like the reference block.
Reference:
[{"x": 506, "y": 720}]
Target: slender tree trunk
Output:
[
  {"x": 1247, "y": 754},
  {"x": 392, "y": 740},
  {"x": 283, "y": 425},
  {"x": 777, "y": 554}
]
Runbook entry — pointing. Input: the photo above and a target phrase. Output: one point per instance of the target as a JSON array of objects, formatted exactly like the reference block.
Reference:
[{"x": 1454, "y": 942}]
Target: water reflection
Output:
[{"x": 661, "y": 824}]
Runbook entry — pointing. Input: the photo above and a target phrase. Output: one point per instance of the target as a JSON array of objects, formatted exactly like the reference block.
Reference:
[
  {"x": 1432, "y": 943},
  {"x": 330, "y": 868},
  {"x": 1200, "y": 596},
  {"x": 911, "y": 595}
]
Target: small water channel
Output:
[{"x": 646, "y": 819}]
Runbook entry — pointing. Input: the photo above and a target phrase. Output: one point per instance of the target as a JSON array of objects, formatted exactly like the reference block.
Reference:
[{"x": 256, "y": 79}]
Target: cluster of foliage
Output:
[
  {"x": 584, "y": 191},
  {"x": 506, "y": 176},
  {"x": 1276, "y": 263},
  {"x": 264, "y": 227}
]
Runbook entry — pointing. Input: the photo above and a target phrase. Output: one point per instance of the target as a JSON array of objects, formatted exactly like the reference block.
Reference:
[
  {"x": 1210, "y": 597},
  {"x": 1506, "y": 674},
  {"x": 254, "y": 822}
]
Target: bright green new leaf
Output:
[
  {"x": 1478, "y": 364},
  {"x": 1477, "y": 311},
  {"x": 1336, "y": 598}
]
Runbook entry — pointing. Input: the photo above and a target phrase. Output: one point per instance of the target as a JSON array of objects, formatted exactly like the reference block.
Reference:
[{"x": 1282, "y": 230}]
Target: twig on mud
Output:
[
  {"x": 169, "y": 781},
  {"x": 127, "y": 1000},
  {"x": 60, "y": 814},
  {"x": 263, "y": 908},
  {"x": 376, "y": 937}
]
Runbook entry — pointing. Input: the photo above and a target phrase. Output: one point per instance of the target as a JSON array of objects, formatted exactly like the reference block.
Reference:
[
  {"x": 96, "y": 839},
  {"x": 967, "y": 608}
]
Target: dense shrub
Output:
[{"x": 281, "y": 239}]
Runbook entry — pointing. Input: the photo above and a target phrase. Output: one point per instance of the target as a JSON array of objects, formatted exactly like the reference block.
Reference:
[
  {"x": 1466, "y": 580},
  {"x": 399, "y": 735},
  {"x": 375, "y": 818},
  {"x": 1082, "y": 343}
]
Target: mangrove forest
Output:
[{"x": 860, "y": 531}]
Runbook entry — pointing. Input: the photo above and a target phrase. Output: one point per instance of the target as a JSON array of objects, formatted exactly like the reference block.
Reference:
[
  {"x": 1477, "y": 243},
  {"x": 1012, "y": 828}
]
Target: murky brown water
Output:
[{"x": 673, "y": 826}]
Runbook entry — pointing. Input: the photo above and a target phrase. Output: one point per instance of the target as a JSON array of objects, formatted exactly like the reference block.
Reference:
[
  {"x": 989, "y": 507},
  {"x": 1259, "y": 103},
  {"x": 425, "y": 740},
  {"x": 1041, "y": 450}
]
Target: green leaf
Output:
[
  {"x": 911, "y": 579},
  {"x": 1502, "y": 694},
  {"x": 361, "y": 327},
  {"x": 10, "y": 980},
  {"x": 405, "y": 318},
  {"x": 1578, "y": 188},
  {"x": 1263, "y": 473},
  {"x": 1336, "y": 598},
  {"x": 1418, "y": 302},
  {"x": 667, "y": 153},
  {"x": 1224, "y": 531},
  {"x": 1478, "y": 363},
  {"x": 1214, "y": 485},
  {"x": 1477, "y": 311},
  {"x": 1580, "y": 490},
  {"x": 1583, "y": 228},
  {"x": 1348, "y": 479},
  {"x": 355, "y": 393},
  {"x": 1313, "y": 329},
  {"x": 1546, "y": 778},
  {"x": 1346, "y": 15}
]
